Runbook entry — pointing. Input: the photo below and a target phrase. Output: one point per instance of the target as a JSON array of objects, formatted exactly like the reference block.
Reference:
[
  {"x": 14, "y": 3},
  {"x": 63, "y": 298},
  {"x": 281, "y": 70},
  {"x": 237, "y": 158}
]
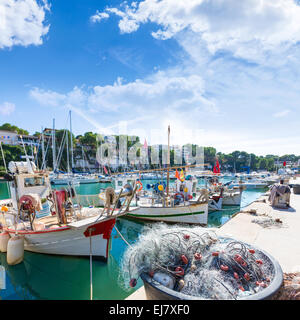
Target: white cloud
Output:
[
  {"x": 150, "y": 101},
  {"x": 212, "y": 96},
  {"x": 22, "y": 22},
  {"x": 7, "y": 108},
  {"x": 249, "y": 28},
  {"x": 281, "y": 114},
  {"x": 99, "y": 16},
  {"x": 160, "y": 91}
]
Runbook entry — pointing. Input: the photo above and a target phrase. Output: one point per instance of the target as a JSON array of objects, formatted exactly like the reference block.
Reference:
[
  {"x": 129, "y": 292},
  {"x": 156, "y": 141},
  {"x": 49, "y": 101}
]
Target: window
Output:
[{"x": 34, "y": 182}]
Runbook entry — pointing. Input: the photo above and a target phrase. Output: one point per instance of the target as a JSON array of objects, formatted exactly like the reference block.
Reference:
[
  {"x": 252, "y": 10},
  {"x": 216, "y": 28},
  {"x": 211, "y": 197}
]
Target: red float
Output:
[
  {"x": 184, "y": 259},
  {"x": 179, "y": 271},
  {"x": 224, "y": 268},
  {"x": 197, "y": 256}
]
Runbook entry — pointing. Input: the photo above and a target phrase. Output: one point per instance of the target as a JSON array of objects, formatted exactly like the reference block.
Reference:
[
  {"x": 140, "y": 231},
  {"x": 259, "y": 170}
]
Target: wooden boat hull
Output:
[
  {"x": 193, "y": 214},
  {"x": 232, "y": 199},
  {"x": 69, "y": 241}
]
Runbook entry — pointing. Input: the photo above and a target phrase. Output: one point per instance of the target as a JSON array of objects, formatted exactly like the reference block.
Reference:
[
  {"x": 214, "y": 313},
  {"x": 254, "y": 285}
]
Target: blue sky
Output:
[{"x": 221, "y": 73}]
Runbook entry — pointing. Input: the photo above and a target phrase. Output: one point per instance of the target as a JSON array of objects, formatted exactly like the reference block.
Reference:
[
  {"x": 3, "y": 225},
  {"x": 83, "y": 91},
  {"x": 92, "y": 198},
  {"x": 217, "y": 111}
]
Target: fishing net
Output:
[
  {"x": 197, "y": 261},
  {"x": 268, "y": 223}
]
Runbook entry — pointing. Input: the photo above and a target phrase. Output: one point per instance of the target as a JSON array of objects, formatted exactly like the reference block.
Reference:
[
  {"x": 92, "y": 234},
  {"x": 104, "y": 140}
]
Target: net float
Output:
[
  {"x": 247, "y": 276},
  {"x": 133, "y": 282},
  {"x": 151, "y": 273},
  {"x": 179, "y": 271},
  {"x": 236, "y": 276},
  {"x": 264, "y": 285},
  {"x": 241, "y": 288},
  {"x": 259, "y": 262},
  {"x": 244, "y": 264},
  {"x": 180, "y": 284},
  {"x": 224, "y": 268},
  {"x": 238, "y": 258},
  {"x": 186, "y": 237},
  {"x": 197, "y": 256},
  {"x": 215, "y": 254},
  {"x": 193, "y": 268},
  {"x": 252, "y": 251},
  {"x": 184, "y": 259}
]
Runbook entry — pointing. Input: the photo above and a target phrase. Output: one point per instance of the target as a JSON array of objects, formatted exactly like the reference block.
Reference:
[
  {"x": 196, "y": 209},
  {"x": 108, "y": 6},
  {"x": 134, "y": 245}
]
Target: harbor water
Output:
[{"x": 42, "y": 276}]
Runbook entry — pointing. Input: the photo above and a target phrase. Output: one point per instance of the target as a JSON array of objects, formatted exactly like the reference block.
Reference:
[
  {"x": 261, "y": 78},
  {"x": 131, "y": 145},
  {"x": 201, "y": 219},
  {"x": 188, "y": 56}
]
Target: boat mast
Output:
[
  {"x": 53, "y": 147},
  {"x": 68, "y": 158},
  {"x": 168, "y": 171},
  {"x": 43, "y": 151},
  {"x": 83, "y": 164},
  {"x": 71, "y": 141}
]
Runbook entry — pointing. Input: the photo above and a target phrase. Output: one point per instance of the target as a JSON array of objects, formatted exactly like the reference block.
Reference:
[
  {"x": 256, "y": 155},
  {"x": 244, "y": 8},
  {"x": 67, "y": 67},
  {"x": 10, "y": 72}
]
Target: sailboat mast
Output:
[
  {"x": 43, "y": 151},
  {"x": 68, "y": 158},
  {"x": 71, "y": 141},
  {"x": 53, "y": 147},
  {"x": 83, "y": 161},
  {"x": 168, "y": 171}
]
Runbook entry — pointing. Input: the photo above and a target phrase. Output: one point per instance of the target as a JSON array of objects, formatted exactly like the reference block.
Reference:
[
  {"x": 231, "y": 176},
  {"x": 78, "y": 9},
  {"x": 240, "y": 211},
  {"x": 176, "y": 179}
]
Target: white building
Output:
[{"x": 13, "y": 138}]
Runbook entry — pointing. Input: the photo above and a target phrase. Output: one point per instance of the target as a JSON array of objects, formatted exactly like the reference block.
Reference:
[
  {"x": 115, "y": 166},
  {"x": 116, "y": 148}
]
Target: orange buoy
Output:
[{"x": 141, "y": 186}]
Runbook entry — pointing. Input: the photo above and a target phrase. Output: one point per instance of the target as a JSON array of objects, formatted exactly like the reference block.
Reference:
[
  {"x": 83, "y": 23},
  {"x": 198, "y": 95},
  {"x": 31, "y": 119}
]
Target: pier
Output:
[{"x": 280, "y": 239}]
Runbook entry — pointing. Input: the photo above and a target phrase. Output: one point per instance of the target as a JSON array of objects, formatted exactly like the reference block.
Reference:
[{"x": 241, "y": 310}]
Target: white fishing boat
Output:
[
  {"x": 50, "y": 220},
  {"x": 250, "y": 183},
  {"x": 230, "y": 196},
  {"x": 181, "y": 205}
]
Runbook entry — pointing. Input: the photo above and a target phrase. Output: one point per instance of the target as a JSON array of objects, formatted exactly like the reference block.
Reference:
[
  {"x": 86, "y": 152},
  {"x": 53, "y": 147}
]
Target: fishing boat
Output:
[
  {"x": 230, "y": 196},
  {"x": 250, "y": 183},
  {"x": 53, "y": 221},
  {"x": 181, "y": 205},
  {"x": 176, "y": 207}
]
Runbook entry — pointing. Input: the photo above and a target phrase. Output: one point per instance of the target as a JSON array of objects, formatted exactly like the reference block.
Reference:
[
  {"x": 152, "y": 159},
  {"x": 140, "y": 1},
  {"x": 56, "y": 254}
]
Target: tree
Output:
[
  {"x": 88, "y": 139},
  {"x": 9, "y": 127}
]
